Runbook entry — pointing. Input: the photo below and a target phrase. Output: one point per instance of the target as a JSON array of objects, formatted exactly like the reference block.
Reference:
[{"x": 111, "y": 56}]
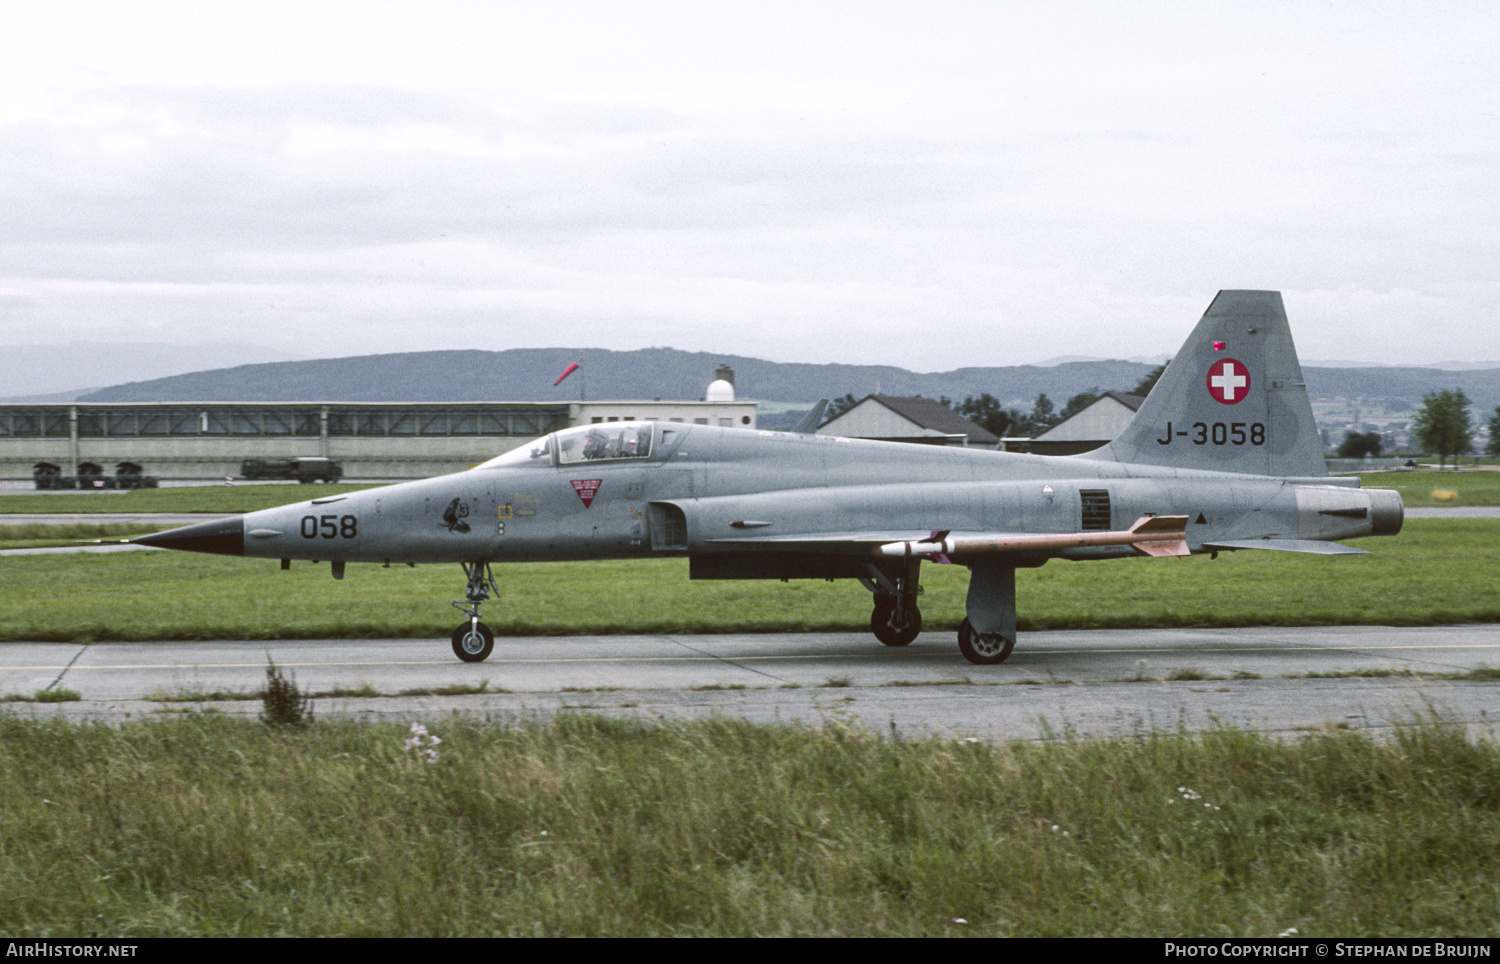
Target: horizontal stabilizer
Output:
[
  {"x": 1289, "y": 545},
  {"x": 1161, "y": 535}
]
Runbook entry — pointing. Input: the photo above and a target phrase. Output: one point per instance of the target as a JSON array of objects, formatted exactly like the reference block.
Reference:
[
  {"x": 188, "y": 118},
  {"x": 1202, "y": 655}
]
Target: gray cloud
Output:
[{"x": 994, "y": 188}]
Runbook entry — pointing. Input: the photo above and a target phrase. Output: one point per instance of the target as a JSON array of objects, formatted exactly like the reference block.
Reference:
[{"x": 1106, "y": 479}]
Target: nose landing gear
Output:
[{"x": 473, "y": 641}]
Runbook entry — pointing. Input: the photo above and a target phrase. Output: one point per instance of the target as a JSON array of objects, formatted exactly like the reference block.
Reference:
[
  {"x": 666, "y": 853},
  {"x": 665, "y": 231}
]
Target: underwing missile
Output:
[{"x": 1152, "y": 535}]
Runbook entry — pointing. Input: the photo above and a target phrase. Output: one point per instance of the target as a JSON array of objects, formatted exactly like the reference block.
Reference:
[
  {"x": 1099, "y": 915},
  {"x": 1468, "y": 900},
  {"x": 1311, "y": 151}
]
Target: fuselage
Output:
[{"x": 697, "y": 490}]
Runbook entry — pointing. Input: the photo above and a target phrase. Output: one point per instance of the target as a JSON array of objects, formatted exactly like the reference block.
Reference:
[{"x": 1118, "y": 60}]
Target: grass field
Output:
[
  {"x": 43, "y": 534},
  {"x": 1436, "y": 571},
  {"x": 1416, "y": 488},
  {"x": 197, "y": 498},
  {"x": 1440, "y": 488},
  {"x": 206, "y": 827}
]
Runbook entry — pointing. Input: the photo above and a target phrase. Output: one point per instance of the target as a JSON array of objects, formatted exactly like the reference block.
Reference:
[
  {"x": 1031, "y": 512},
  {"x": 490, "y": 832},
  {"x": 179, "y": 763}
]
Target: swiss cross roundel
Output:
[{"x": 1228, "y": 381}]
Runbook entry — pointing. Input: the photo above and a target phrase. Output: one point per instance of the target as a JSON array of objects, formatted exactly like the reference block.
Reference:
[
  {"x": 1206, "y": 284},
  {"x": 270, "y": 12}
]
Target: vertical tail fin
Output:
[{"x": 1233, "y": 399}]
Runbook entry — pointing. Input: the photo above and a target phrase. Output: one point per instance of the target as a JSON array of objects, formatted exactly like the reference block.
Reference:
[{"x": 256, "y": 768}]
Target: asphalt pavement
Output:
[{"x": 1082, "y": 683}]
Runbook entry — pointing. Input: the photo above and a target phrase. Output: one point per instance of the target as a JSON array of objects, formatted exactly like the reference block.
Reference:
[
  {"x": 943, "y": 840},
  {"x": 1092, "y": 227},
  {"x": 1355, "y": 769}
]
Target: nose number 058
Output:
[{"x": 330, "y": 526}]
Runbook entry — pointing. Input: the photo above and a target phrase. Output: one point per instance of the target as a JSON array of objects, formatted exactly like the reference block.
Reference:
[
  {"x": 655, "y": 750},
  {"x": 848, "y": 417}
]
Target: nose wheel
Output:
[{"x": 473, "y": 641}]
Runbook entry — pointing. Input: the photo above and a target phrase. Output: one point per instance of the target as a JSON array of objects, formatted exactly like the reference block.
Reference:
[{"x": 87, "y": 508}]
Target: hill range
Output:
[{"x": 527, "y": 374}]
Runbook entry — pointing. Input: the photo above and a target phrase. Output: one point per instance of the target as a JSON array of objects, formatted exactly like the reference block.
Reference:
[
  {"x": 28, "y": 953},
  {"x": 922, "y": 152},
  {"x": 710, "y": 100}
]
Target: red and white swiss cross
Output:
[{"x": 1228, "y": 381}]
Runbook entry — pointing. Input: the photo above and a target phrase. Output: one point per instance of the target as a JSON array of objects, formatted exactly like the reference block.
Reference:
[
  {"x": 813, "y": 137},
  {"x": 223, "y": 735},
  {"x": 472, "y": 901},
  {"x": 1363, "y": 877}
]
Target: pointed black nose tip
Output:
[{"x": 223, "y": 536}]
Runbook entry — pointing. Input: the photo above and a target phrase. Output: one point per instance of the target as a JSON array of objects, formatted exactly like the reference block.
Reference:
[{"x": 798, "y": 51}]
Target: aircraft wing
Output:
[
  {"x": 1289, "y": 545},
  {"x": 826, "y": 541},
  {"x": 1150, "y": 536}
]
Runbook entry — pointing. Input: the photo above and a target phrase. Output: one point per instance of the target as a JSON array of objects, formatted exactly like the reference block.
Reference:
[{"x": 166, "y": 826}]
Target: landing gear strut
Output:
[
  {"x": 896, "y": 620},
  {"x": 473, "y": 641},
  {"x": 989, "y": 634}
]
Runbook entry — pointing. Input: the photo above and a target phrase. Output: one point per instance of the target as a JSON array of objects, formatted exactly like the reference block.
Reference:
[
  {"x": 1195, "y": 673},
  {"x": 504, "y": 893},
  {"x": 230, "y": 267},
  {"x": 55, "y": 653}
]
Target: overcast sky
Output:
[{"x": 927, "y": 185}]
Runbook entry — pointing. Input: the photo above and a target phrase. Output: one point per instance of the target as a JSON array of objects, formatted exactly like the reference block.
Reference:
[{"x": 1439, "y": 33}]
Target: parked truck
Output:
[
  {"x": 302, "y": 469},
  {"x": 92, "y": 476}
]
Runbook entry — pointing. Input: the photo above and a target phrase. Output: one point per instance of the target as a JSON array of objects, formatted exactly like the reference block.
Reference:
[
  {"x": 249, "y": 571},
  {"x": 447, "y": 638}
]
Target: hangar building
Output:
[{"x": 387, "y": 440}]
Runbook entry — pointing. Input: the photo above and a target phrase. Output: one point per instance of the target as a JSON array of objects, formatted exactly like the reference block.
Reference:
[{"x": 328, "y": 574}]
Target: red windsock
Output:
[{"x": 568, "y": 371}]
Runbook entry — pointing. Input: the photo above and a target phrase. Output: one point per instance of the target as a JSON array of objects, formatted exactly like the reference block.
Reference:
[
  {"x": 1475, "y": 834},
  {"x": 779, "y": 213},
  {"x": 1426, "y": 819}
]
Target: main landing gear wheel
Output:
[
  {"x": 884, "y": 625},
  {"x": 473, "y": 642},
  {"x": 984, "y": 649}
]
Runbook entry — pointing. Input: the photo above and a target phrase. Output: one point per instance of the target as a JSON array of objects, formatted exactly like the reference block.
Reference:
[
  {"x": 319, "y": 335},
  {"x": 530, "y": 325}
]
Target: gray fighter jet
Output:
[{"x": 1223, "y": 455}]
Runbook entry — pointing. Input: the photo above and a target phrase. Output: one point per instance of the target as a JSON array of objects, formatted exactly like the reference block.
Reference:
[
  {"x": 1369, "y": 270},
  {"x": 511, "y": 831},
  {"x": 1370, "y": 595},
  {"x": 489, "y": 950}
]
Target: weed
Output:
[
  {"x": 283, "y": 705},
  {"x": 360, "y": 692},
  {"x": 460, "y": 689},
  {"x": 44, "y": 696},
  {"x": 200, "y": 696},
  {"x": 961, "y": 681}
]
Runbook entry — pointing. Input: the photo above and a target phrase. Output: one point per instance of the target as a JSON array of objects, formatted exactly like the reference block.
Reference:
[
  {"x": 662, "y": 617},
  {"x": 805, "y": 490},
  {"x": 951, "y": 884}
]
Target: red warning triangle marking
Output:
[{"x": 586, "y": 489}]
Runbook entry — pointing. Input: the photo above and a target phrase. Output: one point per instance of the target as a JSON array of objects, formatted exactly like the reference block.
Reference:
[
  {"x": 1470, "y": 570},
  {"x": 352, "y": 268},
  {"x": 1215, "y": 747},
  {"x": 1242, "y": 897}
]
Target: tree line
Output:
[{"x": 1442, "y": 427}]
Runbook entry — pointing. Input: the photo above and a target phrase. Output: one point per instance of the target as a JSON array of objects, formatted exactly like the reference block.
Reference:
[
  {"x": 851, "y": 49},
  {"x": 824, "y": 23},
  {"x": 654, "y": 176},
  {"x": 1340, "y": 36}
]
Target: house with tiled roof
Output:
[
  {"x": 891, "y": 418},
  {"x": 1086, "y": 430}
]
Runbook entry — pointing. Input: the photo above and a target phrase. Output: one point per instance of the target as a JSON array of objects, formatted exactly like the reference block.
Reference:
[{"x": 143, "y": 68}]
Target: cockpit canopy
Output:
[{"x": 607, "y": 441}]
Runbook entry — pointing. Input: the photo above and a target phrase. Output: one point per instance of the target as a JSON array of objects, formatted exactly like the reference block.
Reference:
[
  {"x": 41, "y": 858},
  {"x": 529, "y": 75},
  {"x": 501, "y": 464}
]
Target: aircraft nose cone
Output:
[{"x": 223, "y": 536}]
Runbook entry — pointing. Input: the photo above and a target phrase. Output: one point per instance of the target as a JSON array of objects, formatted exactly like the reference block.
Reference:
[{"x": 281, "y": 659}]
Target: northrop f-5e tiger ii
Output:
[{"x": 1222, "y": 455}]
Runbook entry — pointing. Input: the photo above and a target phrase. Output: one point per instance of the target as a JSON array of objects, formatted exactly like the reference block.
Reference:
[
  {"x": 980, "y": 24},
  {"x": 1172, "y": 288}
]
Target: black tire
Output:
[
  {"x": 883, "y": 625},
  {"x": 473, "y": 644},
  {"x": 983, "y": 650}
]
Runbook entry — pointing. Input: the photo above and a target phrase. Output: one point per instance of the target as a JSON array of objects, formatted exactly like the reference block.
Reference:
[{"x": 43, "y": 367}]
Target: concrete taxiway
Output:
[{"x": 1088, "y": 683}]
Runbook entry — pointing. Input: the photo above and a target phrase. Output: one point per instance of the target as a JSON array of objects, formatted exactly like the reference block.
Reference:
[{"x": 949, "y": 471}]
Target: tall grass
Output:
[{"x": 586, "y": 826}]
